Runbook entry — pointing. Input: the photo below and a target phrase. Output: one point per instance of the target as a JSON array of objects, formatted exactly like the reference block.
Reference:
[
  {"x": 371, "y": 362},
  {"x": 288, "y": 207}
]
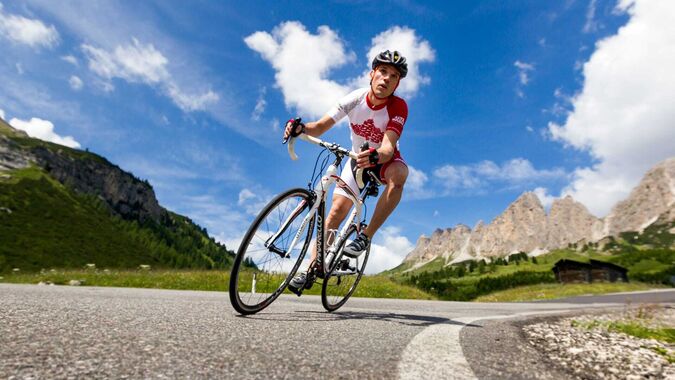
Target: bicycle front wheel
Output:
[
  {"x": 266, "y": 261},
  {"x": 344, "y": 274}
]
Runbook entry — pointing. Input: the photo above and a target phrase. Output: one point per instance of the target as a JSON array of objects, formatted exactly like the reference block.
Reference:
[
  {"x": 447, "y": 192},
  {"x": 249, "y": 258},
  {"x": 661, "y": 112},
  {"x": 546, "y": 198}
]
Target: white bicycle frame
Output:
[{"x": 321, "y": 190}]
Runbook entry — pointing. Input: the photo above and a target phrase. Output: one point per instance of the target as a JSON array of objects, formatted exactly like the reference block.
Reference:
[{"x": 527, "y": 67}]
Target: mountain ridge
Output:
[
  {"x": 43, "y": 184},
  {"x": 524, "y": 226}
]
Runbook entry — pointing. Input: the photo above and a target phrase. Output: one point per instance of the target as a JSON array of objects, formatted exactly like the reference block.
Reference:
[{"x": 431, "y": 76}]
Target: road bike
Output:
[{"x": 276, "y": 242}]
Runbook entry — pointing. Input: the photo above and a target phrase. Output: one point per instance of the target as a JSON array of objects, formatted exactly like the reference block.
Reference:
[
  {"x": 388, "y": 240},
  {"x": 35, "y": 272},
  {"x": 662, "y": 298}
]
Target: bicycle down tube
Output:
[{"x": 318, "y": 208}]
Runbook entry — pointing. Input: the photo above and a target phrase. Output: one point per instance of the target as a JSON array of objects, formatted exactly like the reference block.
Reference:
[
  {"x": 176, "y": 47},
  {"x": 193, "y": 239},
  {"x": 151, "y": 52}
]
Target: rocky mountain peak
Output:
[
  {"x": 653, "y": 197},
  {"x": 521, "y": 227},
  {"x": 525, "y": 226},
  {"x": 84, "y": 172},
  {"x": 568, "y": 222}
]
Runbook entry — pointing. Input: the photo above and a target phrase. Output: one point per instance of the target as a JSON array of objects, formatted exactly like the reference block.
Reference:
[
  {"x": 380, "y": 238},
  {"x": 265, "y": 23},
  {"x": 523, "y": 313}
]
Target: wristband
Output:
[{"x": 373, "y": 157}]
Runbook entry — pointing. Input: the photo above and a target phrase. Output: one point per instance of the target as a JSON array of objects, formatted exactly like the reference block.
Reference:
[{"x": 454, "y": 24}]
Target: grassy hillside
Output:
[
  {"x": 472, "y": 279},
  {"x": 43, "y": 224}
]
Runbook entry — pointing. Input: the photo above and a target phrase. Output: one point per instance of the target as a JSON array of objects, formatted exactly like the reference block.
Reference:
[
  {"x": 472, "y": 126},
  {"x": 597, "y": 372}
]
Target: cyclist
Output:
[{"x": 376, "y": 116}]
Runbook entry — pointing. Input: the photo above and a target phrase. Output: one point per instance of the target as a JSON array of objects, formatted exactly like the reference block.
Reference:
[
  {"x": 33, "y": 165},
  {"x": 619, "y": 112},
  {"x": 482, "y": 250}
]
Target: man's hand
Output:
[
  {"x": 294, "y": 127},
  {"x": 367, "y": 158}
]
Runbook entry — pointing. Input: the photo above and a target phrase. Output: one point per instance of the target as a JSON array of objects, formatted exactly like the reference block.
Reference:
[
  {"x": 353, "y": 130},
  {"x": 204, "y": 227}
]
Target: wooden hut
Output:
[
  {"x": 604, "y": 271},
  {"x": 570, "y": 271}
]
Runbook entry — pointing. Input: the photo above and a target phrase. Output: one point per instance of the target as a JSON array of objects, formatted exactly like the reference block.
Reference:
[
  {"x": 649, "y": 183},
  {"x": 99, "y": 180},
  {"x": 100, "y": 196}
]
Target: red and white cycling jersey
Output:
[{"x": 368, "y": 122}]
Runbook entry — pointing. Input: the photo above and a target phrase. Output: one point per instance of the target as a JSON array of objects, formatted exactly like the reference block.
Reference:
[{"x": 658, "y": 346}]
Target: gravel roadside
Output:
[
  {"x": 587, "y": 348},
  {"x": 570, "y": 346}
]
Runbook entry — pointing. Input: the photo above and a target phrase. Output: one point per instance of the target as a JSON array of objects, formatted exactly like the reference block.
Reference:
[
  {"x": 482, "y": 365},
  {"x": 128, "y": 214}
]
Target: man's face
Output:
[{"x": 384, "y": 80}]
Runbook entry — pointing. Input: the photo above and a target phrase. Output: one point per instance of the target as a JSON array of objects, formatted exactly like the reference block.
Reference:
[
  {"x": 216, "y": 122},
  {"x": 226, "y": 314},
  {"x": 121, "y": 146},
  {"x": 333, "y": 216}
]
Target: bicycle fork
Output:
[{"x": 269, "y": 243}]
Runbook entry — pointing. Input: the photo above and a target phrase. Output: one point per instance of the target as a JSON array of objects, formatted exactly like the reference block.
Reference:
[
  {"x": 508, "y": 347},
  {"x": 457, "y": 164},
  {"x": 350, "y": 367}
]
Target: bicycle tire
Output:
[
  {"x": 255, "y": 259},
  {"x": 333, "y": 293}
]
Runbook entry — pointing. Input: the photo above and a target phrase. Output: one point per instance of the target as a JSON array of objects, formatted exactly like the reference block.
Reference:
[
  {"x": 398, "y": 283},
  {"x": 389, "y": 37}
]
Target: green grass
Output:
[
  {"x": 637, "y": 329},
  {"x": 211, "y": 280},
  {"x": 158, "y": 279},
  {"x": 553, "y": 291}
]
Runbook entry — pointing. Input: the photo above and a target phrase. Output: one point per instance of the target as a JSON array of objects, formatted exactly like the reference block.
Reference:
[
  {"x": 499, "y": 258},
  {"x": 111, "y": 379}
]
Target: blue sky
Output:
[{"x": 557, "y": 97}]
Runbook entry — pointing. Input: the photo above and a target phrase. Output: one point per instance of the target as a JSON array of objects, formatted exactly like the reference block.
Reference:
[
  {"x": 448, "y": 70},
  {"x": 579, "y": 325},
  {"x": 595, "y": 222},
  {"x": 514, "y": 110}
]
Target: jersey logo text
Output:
[{"x": 368, "y": 131}]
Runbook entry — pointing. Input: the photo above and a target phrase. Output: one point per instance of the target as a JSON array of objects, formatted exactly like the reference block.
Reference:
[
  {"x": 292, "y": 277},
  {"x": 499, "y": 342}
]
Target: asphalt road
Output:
[{"x": 88, "y": 332}]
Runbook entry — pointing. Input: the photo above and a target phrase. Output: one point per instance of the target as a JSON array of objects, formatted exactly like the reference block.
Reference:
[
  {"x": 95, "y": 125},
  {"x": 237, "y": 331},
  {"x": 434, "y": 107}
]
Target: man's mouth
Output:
[{"x": 382, "y": 86}]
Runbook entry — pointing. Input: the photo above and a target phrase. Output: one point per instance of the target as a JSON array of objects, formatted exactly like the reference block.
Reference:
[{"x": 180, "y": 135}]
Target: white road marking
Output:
[{"x": 435, "y": 353}]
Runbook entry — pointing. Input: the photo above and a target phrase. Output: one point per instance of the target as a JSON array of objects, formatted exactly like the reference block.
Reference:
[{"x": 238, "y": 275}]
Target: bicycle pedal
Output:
[
  {"x": 297, "y": 292},
  {"x": 311, "y": 279},
  {"x": 344, "y": 265}
]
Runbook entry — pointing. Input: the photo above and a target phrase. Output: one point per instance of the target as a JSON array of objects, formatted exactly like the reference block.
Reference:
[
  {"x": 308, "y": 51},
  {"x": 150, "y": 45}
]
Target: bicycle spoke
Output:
[
  {"x": 263, "y": 271},
  {"x": 344, "y": 275}
]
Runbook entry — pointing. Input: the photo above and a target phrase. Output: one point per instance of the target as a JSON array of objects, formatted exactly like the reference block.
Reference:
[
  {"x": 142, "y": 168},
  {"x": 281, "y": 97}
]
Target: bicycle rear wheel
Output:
[
  {"x": 265, "y": 262},
  {"x": 344, "y": 274}
]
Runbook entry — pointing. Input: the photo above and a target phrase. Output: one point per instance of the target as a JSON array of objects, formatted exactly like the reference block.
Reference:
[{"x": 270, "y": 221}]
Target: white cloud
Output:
[
  {"x": 457, "y": 177},
  {"x": 43, "y": 130},
  {"x": 623, "y": 116},
  {"x": 523, "y": 76},
  {"x": 545, "y": 198},
  {"x": 286, "y": 47},
  {"x": 253, "y": 201},
  {"x": 260, "y": 105},
  {"x": 139, "y": 63},
  {"x": 31, "y": 32},
  {"x": 244, "y": 195},
  {"x": 523, "y": 69},
  {"x": 2, "y": 114},
  {"x": 19, "y": 68},
  {"x": 191, "y": 102},
  {"x": 561, "y": 105},
  {"x": 591, "y": 25},
  {"x": 105, "y": 86},
  {"x": 71, "y": 59},
  {"x": 416, "y": 184},
  {"x": 274, "y": 124},
  {"x": 75, "y": 83},
  {"x": 413, "y": 47},
  {"x": 387, "y": 250},
  {"x": 479, "y": 175},
  {"x": 134, "y": 63}
]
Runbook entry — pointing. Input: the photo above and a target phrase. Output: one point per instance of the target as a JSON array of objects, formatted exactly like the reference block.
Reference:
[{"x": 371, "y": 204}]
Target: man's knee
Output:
[
  {"x": 397, "y": 174},
  {"x": 339, "y": 209}
]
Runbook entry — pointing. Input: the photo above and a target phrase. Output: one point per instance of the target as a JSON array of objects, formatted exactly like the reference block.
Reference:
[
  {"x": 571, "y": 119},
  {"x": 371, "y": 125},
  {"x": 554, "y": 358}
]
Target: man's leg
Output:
[
  {"x": 396, "y": 175},
  {"x": 339, "y": 209}
]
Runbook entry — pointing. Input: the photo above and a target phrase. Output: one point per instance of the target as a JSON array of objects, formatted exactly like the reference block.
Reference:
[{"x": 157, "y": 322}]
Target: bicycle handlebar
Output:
[{"x": 335, "y": 148}]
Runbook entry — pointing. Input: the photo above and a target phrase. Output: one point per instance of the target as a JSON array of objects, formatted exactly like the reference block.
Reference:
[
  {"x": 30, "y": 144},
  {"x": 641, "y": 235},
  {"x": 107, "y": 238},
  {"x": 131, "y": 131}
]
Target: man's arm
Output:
[
  {"x": 315, "y": 128},
  {"x": 318, "y": 128},
  {"x": 385, "y": 151}
]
